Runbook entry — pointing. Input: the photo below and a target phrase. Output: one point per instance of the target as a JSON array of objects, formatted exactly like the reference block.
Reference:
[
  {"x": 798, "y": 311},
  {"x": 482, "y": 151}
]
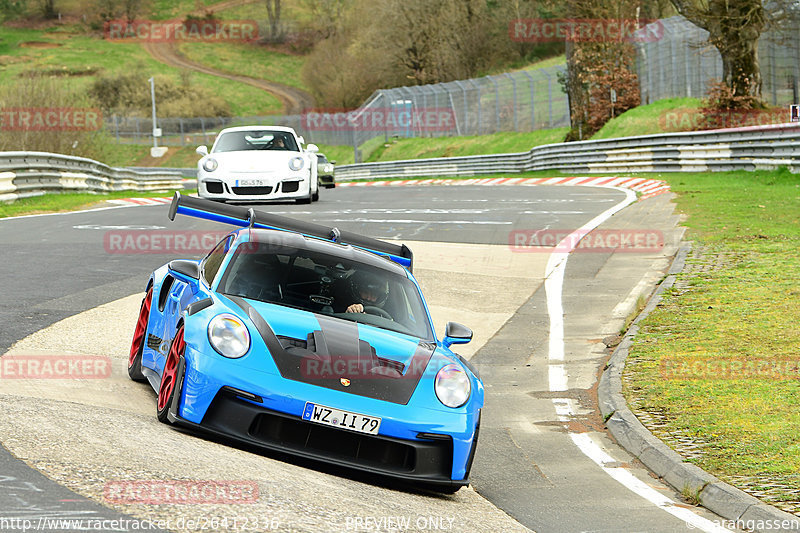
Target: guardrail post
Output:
[
  {"x": 496, "y": 102},
  {"x": 514, "y": 88},
  {"x": 116, "y": 128},
  {"x": 533, "y": 98}
]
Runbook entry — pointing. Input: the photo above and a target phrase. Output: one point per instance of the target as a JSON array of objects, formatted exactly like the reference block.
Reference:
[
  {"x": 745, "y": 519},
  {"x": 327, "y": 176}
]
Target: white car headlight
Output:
[
  {"x": 296, "y": 163},
  {"x": 229, "y": 336},
  {"x": 452, "y": 386},
  {"x": 210, "y": 164}
]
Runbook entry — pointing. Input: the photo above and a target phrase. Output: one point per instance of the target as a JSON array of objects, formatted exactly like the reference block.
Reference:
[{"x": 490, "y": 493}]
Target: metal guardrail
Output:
[
  {"x": 26, "y": 174},
  {"x": 754, "y": 148}
]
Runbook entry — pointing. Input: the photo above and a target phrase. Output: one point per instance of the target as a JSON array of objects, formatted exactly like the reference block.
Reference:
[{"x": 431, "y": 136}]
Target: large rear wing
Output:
[{"x": 242, "y": 216}]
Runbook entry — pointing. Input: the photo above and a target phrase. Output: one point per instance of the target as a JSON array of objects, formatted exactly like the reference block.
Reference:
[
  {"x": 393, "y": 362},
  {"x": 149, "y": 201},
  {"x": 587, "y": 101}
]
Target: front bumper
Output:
[
  {"x": 415, "y": 443},
  {"x": 426, "y": 461},
  {"x": 327, "y": 181},
  {"x": 216, "y": 187}
]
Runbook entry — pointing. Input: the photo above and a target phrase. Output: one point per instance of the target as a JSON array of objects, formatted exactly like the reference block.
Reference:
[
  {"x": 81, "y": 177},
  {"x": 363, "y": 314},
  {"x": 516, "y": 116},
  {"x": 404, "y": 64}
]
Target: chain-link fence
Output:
[
  {"x": 525, "y": 100},
  {"x": 682, "y": 63}
]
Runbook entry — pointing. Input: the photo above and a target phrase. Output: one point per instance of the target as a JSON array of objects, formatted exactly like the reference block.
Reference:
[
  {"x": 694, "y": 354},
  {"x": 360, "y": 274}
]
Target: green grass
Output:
[
  {"x": 250, "y": 60},
  {"x": 169, "y": 9},
  {"x": 54, "y": 203},
  {"x": 650, "y": 118},
  {"x": 746, "y": 310},
  {"x": 95, "y": 56},
  {"x": 497, "y": 143},
  {"x": 373, "y": 150}
]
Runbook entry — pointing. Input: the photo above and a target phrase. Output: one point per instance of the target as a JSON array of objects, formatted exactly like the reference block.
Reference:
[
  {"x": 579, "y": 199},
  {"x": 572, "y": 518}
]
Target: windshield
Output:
[
  {"x": 237, "y": 141},
  {"x": 322, "y": 159},
  {"x": 327, "y": 285}
]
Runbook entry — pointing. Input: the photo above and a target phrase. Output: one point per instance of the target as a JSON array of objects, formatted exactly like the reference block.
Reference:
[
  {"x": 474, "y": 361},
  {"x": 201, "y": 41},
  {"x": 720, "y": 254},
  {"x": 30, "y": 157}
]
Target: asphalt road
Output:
[{"x": 527, "y": 463}]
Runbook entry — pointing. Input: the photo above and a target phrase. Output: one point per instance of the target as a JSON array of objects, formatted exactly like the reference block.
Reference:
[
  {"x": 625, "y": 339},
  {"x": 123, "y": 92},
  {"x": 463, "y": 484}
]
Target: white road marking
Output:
[
  {"x": 67, "y": 212},
  {"x": 558, "y": 378},
  {"x": 99, "y": 227},
  {"x": 411, "y": 221}
]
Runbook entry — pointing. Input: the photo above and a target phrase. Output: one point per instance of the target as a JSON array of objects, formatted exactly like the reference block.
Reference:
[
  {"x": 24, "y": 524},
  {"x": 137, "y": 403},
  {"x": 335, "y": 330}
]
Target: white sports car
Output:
[{"x": 258, "y": 163}]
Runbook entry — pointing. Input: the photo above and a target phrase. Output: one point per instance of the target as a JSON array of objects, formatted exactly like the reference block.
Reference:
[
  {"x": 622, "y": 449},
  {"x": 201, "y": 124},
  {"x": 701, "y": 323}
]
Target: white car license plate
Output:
[
  {"x": 250, "y": 183},
  {"x": 341, "y": 419}
]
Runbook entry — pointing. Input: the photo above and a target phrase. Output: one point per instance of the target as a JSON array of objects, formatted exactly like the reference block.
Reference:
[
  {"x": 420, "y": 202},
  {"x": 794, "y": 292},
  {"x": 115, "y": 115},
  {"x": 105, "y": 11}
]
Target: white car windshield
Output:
[{"x": 238, "y": 141}]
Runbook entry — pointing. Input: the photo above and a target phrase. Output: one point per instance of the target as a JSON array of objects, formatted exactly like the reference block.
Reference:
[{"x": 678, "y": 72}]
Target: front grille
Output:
[
  {"x": 214, "y": 187},
  {"x": 430, "y": 460},
  {"x": 334, "y": 443},
  {"x": 251, "y": 191},
  {"x": 290, "y": 186}
]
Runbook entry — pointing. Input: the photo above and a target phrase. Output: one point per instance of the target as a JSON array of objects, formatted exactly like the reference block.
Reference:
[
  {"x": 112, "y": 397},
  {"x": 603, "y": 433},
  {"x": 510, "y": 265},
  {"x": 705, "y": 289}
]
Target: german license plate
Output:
[
  {"x": 329, "y": 416},
  {"x": 250, "y": 183}
]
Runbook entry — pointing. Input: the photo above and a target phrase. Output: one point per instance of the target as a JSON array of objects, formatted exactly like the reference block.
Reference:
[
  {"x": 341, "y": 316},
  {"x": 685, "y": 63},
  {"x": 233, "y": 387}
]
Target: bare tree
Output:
[
  {"x": 132, "y": 8},
  {"x": 600, "y": 80},
  {"x": 274, "y": 17},
  {"x": 49, "y": 8},
  {"x": 327, "y": 15},
  {"x": 734, "y": 28}
]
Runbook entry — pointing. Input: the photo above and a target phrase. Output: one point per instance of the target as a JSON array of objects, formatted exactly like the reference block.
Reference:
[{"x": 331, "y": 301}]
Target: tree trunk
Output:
[
  {"x": 274, "y": 16},
  {"x": 741, "y": 70},
  {"x": 49, "y": 9},
  {"x": 733, "y": 29}
]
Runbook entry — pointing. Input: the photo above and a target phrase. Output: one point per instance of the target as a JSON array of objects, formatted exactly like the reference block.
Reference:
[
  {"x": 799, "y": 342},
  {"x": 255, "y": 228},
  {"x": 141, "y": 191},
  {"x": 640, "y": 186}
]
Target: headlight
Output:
[
  {"x": 452, "y": 386},
  {"x": 296, "y": 163},
  {"x": 210, "y": 164},
  {"x": 229, "y": 336}
]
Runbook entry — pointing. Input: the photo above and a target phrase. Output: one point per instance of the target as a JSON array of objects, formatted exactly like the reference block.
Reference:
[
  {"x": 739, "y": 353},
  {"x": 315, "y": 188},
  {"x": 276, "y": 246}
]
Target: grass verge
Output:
[
  {"x": 497, "y": 143},
  {"x": 82, "y": 59},
  {"x": 55, "y": 203},
  {"x": 717, "y": 364}
]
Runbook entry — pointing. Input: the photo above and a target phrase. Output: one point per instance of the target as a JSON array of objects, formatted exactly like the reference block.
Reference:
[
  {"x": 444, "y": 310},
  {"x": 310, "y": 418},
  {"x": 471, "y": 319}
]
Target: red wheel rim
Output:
[
  {"x": 141, "y": 327},
  {"x": 170, "y": 369}
]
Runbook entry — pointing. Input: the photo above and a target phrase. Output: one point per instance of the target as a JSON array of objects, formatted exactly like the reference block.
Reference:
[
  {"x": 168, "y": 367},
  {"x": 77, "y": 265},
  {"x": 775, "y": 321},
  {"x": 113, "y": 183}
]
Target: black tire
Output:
[
  {"x": 308, "y": 199},
  {"x": 135, "y": 357},
  {"x": 171, "y": 376}
]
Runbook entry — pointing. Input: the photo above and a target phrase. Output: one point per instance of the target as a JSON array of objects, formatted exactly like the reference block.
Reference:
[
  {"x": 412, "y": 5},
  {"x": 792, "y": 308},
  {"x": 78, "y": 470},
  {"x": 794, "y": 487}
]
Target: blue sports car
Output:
[{"x": 304, "y": 339}]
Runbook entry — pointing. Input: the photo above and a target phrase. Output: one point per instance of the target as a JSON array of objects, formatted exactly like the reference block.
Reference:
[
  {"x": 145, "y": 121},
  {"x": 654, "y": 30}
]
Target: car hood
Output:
[
  {"x": 255, "y": 160},
  {"x": 339, "y": 354}
]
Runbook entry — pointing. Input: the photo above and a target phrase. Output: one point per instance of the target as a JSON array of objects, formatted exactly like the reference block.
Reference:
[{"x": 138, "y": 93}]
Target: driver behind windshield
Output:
[{"x": 367, "y": 290}]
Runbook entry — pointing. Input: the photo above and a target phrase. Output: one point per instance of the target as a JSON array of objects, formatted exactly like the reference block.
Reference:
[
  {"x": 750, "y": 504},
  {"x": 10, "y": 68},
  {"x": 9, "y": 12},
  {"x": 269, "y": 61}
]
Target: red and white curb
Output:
[
  {"x": 141, "y": 201},
  {"x": 645, "y": 186}
]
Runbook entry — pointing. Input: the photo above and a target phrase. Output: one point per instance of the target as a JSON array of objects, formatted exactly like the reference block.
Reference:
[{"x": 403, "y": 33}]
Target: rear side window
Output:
[{"x": 212, "y": 262}]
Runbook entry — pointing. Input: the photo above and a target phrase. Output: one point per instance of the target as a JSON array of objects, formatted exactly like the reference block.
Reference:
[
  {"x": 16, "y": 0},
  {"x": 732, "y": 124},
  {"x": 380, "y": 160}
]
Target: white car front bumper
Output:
[{"x": 252, "y": 186}]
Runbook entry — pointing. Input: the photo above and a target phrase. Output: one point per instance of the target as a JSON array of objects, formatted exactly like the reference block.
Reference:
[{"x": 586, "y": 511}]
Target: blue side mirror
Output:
[{"x": 455, "y": 333}]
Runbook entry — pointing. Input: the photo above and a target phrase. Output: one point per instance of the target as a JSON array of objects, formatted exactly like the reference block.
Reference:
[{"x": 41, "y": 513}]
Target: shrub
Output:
[
  {"x": 129, "y": 95},
  {"x": 47, "y": 94}
]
